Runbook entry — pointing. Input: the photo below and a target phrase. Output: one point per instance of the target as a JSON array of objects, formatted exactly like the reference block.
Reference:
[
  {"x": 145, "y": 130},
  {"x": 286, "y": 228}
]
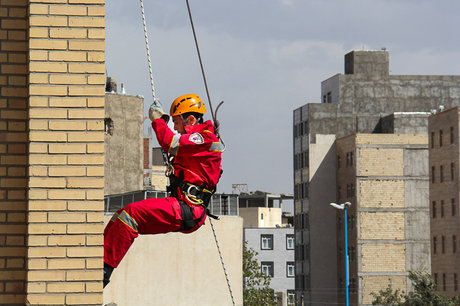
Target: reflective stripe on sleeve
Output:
[
  {"x": 128, "y": 220},
  {"x": 216, "y": 146},
  {"x": 114, "y": 217},
  {"x": 174, "y": 145}
]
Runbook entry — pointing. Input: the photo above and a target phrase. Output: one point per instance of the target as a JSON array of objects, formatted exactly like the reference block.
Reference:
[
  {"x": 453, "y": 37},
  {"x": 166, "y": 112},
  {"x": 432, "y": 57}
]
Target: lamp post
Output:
[{"x": 343, "y": 207}]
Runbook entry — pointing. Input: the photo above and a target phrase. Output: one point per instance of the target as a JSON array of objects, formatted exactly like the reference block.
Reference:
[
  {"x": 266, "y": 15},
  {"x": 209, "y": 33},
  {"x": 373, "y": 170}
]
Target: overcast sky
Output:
[{"x": 265, "y": 58}]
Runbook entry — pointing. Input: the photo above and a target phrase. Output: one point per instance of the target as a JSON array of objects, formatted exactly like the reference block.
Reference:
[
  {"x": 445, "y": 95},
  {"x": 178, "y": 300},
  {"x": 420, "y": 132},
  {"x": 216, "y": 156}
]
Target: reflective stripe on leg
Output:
[{"x": 128, "y": 220}]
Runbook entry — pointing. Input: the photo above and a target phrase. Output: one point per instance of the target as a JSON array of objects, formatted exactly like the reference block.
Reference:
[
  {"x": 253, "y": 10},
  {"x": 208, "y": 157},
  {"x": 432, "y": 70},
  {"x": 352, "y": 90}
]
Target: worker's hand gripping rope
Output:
[{"x": 157, "y": 112}]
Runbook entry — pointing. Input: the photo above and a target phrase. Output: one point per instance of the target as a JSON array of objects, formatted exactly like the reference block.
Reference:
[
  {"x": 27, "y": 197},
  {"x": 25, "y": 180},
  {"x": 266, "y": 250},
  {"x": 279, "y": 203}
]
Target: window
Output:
[
  {"x": 329, "y": 97},
  {"x": 108, "y": 126},
  {"x": 442, "y": 208},
  {"x": 454, "y": 207},
  {"x": 290, "y": 269},
  {"x": 434, "y": 209},
  {"x": 451, "y": 134},
  {"x": 434, "y": 245},
  {"x": 324, "y": 98},
  {"x": 267, "y": 267},
  {"x": 351, "y": 158},
  {"x": 432, "y": 174},
  {"x": 266, "y": 242},
  {"x": 291, "y": 297},
  {"x": 352, "y": 253},
  {"x": 443, "y": 245},
  {"x": 440, "y": 138},
  {"x": 436, "y": 279},
  {"x": 455, "y": 282},
  {"x": 339, "y": 162},
  {"x": 444, "y": 282},
  {"x": 339, "y": 193},
  {"x": 290, "y": 242},
  {"x": 350, "y": 190},
  {"x": 348, "y": 159},
  {"x": 441, "y": 174},
  {"x": 452, "y": 171},
  {"x": 432, "y": 139},
  {"x": 353, "y": 285},
  {"x": 454, "y": 244}
]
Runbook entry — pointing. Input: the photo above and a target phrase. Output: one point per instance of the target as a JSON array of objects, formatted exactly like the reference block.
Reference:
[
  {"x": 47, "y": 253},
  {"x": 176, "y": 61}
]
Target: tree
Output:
[
  {"x": 424, "y": 293},
  {"x": 256, "y": 284}
]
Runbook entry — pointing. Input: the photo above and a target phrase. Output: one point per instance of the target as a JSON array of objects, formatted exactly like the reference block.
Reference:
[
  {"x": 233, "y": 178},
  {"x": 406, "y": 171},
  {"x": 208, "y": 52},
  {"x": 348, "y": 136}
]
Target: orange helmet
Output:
[{"x": 186, "y": 104}]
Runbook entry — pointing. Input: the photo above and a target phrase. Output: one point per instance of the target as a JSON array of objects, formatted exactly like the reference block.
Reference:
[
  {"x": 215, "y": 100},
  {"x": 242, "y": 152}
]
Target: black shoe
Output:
[{"x": 107, "y": 273}]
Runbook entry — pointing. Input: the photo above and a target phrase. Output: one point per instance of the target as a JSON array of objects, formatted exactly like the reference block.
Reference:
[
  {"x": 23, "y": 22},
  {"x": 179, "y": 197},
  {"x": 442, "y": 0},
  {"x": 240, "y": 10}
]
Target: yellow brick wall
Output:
[
  {"x": 383, "y": 258},
  {"x": 66, "y": 162},
  {"x": 381, "y": 162},
  {"x": 382, "y": 225},
  {"x": 400, "y": 139},
  {"x": 13, "y": 150},
  {"x": 376, "y": 283},
  {"x": 381, "y": 193}
]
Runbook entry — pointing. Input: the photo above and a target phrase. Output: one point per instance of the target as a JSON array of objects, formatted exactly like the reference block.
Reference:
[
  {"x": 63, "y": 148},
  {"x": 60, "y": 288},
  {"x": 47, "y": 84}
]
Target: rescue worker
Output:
[{"x": 196, "y": 171}]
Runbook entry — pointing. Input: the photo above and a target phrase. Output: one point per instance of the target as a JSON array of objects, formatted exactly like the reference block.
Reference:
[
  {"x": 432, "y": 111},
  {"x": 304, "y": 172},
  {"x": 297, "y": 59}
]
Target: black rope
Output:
[{"x": 216, "y": 126}]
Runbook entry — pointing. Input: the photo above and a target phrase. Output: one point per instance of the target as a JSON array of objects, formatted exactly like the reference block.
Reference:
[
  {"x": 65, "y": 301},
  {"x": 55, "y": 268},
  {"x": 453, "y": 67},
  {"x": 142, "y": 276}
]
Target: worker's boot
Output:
[{"x": 107, "y": 273}]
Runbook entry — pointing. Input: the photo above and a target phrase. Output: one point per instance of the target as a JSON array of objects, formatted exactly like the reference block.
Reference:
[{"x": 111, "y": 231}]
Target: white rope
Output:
[
  {"x": 155, "y": 101},
  {"x": 222, "y": 262},
  {"x": 148, "y": 52}
]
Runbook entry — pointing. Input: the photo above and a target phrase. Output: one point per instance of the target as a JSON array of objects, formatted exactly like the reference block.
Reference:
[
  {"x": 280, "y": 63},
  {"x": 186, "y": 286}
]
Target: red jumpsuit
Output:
[{"x": 197, "y": 160}]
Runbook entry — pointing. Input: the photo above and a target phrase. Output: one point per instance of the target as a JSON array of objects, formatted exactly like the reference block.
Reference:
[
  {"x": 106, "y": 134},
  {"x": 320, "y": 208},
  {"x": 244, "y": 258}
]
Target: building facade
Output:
[
  {"x": 444, "y": 197},
  {"x": 275, "y": 248},
  {"x": 52, "y": 152},
  {"x": 359, "y": 101},
  {"x": 124, "y": 143},
  {"x": 270, "y": 232},
  {"x": 385, "y": 178}
]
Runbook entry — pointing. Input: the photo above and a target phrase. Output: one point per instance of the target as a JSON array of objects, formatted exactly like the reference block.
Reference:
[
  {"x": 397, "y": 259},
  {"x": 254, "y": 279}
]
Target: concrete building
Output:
[
  {"x": 444, "y": 197},
  {"x": 385, "y": 178},
  {"x": 359, "y": 101},
  {"x": 181, "y": 269},
  {"x": 124, "y": 147}
]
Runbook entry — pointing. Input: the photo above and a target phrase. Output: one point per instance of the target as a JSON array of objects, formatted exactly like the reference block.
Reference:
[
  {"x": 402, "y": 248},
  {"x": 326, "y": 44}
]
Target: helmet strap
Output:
[{"x": 183, "y": 120}]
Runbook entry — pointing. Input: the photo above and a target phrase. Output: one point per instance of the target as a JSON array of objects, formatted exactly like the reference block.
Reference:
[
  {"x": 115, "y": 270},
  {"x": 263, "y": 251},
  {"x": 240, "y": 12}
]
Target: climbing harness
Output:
[{"x": 193, "y": 193}]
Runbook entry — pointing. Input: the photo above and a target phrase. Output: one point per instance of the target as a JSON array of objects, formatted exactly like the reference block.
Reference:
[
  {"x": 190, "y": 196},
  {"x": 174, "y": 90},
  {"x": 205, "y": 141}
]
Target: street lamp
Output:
[{"x": 344, "y": 207}]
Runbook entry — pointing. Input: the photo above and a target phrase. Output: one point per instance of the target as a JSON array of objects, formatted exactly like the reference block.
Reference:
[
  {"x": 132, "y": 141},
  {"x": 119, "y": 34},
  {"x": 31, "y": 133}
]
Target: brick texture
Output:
[
  {"x": 383, "y": 258},
  {"x": 382, "y": 231},
  {"x": 443, "y": 131},
  {"x": 376, "y": 283},
  {"x": 51, "y": 151},
  {"x": 379, "y": 161},
  {"x": 382, "y": 225},
  {"x": 13, "y": 152},
  {"x": 382, "y": 193}
]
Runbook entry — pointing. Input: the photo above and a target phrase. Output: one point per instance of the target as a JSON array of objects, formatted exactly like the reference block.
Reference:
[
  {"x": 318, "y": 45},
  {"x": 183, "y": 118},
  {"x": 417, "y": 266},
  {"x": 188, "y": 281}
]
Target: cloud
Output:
[{"x": 264, "y": 59}]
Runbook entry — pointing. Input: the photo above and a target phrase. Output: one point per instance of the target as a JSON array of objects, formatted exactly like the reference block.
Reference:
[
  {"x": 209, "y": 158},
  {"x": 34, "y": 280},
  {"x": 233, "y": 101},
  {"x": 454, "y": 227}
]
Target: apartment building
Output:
[
  {"x": 385, "y": 178},
  {"x": 444, "y": 196},
  {"x": 270, "y": 232},
  {"x": 365, "y": 99}
]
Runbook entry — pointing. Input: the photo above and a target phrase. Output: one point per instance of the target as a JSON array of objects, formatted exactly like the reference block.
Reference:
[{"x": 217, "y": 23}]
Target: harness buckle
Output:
[{"x": 193, "y": 187}]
